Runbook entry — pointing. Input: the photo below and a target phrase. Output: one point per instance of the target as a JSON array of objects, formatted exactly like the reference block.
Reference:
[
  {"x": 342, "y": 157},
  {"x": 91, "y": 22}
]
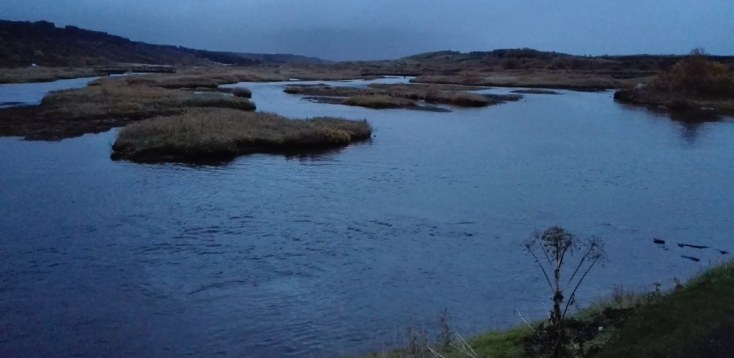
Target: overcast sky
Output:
[{"x": 377, "y": 29}]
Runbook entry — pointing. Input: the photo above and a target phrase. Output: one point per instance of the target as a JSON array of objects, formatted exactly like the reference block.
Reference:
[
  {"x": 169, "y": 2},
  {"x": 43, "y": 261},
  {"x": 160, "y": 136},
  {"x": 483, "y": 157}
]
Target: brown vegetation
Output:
[
  {"x": 379, "y": 101},
  {"x": 43, "y": 74},
  {"x": 573, "y": 80},
  {"x": 103, "y": 105},
  {"x": 224, "y": 133},
  {"x": 381, "y": 96},
  {"x": 694, "y": 83}
]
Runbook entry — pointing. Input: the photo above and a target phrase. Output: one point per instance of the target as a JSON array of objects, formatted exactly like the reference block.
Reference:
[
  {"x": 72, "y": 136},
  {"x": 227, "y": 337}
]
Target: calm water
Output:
[
  {"x": 25, "y": 94},
  {"x": 339, "y": 253}
]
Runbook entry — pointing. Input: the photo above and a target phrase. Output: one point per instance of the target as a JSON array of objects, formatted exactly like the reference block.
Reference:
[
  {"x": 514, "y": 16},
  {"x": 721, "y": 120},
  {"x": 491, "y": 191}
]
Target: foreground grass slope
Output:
[
  {"x": 694, "y": 320},
  {"x": 222, "y": 134}
]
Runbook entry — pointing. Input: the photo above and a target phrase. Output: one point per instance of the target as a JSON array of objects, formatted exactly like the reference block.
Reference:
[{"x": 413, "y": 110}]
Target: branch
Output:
[
  {"x": 563, "y": 255},
  {"x": 573, "y": 293},
  {"x": 581, "y": 263},
  {"x": 541, "y": 268},
  {"x": 542, "y": 247}
]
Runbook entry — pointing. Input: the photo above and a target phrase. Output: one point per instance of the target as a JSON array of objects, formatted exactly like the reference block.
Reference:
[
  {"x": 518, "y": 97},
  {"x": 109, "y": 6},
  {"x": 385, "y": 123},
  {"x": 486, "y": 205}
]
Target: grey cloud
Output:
[{"x": 340, "y": 29}]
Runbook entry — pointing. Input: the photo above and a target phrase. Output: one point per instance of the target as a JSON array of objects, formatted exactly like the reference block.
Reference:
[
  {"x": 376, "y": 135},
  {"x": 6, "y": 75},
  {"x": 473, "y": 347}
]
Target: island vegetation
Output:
[
  {"x": 222, "y": 134},
  {"x": 109, "y": 103},
  {"x": 694, "y": 83},
  {"x": 380, "y": 96}
]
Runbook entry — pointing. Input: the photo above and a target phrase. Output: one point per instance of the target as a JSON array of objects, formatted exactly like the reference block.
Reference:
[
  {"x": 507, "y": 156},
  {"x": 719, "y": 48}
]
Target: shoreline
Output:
[
  {"x": 672, "y": 103},
  {"x": 684, "y": 321}
]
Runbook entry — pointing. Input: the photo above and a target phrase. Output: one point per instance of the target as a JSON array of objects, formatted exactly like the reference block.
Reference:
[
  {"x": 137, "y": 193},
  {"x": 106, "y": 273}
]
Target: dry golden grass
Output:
[
  {"x": 379, "y": 101},
  {"x": 224, "y": 133},
  {"x": 43, "y": 74},
  {"x": 105, "y": 104},
  {"x": 115, "y": 98},
  {"x": 574, "y": 80},
  {"x": 381, "y": 96},
  {"x": 211, "y": 77}
]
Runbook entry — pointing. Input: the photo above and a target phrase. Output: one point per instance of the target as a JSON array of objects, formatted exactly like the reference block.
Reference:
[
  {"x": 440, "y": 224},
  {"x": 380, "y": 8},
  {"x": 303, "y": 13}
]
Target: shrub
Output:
[{"x": 697, "y": 75}]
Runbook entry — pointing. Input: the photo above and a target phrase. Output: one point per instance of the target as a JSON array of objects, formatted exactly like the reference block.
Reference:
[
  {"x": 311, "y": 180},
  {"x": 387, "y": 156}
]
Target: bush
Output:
[{"x": 699, "y": 76}]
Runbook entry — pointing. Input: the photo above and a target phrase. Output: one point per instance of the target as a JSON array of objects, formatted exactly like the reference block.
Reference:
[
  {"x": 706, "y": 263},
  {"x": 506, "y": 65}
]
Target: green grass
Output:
[
  {"x": 508, "y": 344},
  {"x": 675, "y": 322},
  {"x": 680, "y": 323},
  {"x": 213, "y": 134}
]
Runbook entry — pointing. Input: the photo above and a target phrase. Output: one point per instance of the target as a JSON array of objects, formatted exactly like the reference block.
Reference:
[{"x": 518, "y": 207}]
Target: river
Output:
[{"x": 339, "y": 253}]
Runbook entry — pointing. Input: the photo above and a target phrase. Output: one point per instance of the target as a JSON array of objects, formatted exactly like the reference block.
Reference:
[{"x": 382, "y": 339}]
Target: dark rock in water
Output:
[
  {"x": 724, "y": 252},
  {"x": 696, "y": 259},
  {"x": 658, "y": 241},
  {"x": 693, "y": 246}
]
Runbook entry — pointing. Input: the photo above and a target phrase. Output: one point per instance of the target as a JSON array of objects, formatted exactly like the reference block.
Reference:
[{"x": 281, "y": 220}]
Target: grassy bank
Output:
[
  {"x": 696, "y": 320},
  {"x": 222, "y": 134},
  {"x": 693, "y": 320}
]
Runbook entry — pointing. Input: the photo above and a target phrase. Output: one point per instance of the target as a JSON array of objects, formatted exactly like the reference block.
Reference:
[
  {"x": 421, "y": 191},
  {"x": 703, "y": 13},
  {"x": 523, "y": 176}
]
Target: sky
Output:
[{"x": 387, "y": 29}]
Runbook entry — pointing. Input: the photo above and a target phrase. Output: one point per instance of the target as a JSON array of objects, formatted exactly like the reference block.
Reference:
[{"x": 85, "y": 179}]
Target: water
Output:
[
  {"x": 26, "y": 94},
  {"x": 339, "y": 253}
]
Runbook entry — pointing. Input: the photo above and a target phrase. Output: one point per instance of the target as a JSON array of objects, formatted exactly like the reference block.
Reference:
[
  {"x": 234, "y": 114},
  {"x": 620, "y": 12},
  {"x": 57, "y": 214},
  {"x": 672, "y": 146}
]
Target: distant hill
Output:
[
  {"x": 24, "y": 43},
  {"x": 525, "y": 58}
]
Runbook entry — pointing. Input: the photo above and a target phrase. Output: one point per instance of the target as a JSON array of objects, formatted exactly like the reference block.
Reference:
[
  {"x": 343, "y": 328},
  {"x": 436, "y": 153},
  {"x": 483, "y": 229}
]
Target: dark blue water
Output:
[{"x": 339, "y": 253}]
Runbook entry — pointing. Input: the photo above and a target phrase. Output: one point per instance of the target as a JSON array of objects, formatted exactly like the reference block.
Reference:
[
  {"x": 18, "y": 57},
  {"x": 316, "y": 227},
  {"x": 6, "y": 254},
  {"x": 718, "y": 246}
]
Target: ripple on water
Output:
[{"x": 337, "y": 253}]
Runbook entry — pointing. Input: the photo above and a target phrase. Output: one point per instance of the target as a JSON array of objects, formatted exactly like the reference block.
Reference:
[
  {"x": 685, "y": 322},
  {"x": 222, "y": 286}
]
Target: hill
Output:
[
  {"x": 526, "y": 58},
  {"x": 42, "y": 43}
]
